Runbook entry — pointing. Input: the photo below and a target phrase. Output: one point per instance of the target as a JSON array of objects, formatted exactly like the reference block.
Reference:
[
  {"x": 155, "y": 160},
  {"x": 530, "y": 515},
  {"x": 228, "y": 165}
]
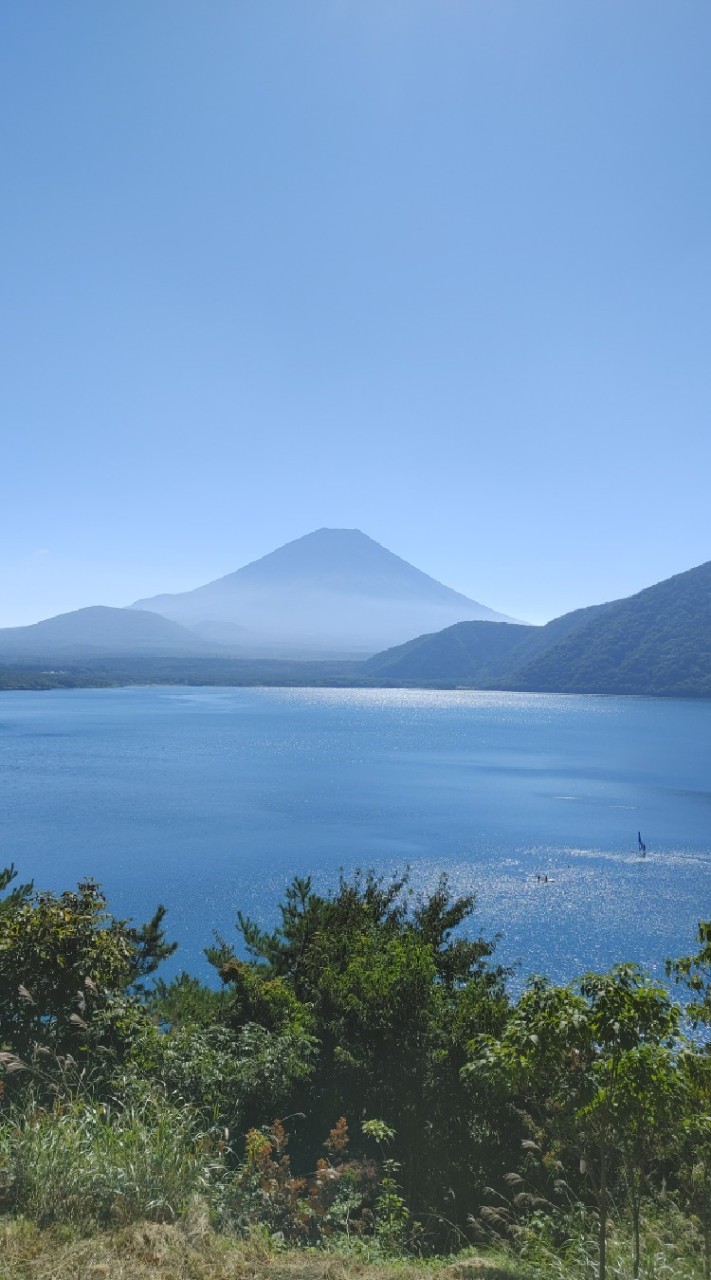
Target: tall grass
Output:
[
  {"x": 565, "y": 1247},
  {"x": 86, "y": 1163},
  {"x": 89, "y": 1165}
]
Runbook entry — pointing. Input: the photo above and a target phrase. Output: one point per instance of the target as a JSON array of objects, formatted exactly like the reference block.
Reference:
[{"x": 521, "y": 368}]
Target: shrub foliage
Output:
[{"x": 360, "y": 1071}]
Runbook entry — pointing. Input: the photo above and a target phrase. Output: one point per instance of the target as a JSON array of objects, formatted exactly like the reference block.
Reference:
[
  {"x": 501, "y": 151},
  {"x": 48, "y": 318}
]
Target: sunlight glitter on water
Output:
[{"x": 210, "y": 799}]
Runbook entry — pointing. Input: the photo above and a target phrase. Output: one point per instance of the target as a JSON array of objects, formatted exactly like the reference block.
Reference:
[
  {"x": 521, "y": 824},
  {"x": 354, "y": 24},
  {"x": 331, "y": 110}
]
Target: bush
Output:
[{"x": 337, "y": 1198}]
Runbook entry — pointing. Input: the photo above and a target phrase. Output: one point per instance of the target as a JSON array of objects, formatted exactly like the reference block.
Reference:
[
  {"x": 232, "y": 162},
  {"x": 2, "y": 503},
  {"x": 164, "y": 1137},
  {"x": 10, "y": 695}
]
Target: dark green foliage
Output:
[
  {"x": 186, "y": 1002},
  {"x": 392, "y": 994},
  {"x": 17, "y": 896},
  {"x": 694, "y": 972},
  {"x": 231, "y": 1079},
  {"x": 148, "y": 948},
  {"x": 62, "y": 961},
  {"x": 593, "y": 1068},
  {"x": 370, "y": 1014}
]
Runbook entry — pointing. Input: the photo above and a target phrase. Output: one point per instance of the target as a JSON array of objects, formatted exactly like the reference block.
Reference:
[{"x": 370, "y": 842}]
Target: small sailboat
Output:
[{"x": 641, "y": 845}]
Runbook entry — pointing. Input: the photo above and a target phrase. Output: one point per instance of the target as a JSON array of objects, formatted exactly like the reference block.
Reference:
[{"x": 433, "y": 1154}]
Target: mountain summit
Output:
[{"x": 334, "y": 592}]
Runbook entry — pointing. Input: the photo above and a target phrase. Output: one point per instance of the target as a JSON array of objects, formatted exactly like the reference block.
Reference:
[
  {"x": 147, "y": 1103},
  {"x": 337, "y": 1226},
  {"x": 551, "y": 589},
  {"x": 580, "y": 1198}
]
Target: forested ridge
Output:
[
  {"x": 655, "y": 642},
  {"x": 358, "y": 1078}
]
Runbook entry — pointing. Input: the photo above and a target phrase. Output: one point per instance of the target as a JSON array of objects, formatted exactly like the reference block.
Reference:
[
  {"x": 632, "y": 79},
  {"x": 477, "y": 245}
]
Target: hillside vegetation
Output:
[
  {"x": 658, "y": 641},
  {"x": 655, "y": 642},
  {"x": 358, "y": 1081}
]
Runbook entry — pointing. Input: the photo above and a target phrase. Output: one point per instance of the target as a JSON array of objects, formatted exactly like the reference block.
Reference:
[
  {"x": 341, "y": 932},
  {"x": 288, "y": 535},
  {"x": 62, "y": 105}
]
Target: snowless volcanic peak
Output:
[{"x": 333, "y": 592}]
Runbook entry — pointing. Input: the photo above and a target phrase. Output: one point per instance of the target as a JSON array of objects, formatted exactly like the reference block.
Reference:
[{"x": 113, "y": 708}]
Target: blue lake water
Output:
[{"x": 209, "y": 800}]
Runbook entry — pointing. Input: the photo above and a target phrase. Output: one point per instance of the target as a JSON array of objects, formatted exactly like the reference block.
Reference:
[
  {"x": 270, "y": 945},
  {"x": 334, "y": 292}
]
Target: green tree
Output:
[
  {"x": 693, "y": 1147},
  {"x": 694, "y": 972},
  {"x": 393, "y": 991},
  {"x": 13, "y": 900},
  {"x": 644, "y": 1091},
  {"x": 593, "y": 1067},
  {"x": 62, "y": 958}
]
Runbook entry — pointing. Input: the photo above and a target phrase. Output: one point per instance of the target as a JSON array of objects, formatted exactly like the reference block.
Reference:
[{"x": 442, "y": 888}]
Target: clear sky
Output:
[{"x": 436, "y": 269}]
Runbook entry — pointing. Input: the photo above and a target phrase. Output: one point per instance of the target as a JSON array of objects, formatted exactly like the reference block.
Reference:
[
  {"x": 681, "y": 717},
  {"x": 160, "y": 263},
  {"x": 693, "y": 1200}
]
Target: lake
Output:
[{"x": 209, "y": 800}]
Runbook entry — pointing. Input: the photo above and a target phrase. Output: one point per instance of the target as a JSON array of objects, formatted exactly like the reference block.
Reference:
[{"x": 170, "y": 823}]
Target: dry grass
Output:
[{"x": 191, "y": 1251}]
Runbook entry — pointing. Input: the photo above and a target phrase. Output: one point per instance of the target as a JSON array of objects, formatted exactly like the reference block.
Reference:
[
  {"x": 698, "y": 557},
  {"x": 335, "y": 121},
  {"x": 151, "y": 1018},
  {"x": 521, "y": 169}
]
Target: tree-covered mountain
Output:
[
  {"x": 100, "y": 630},
  {"x": 467, "y": 652},
  {"x": 475, "y": 652},
  {"x": 332, "y": 593},
  {"x": 655, "y": 642}
]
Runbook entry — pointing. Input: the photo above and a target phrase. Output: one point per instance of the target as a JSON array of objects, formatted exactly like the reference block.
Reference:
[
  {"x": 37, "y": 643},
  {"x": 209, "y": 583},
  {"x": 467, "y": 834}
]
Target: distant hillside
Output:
[
  {"x": 99, "y": 630},
  {"x": 658, "y": 641},
  {"x": 468, "y": 652},
  {"x": 479, "y": 653},
  {"x": 655, "y": 642},
  {"x": 333, "y": 593}
]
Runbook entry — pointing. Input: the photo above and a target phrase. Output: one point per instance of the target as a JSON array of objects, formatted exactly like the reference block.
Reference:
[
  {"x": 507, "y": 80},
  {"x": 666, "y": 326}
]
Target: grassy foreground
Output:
[{"x": 191, "y": 1251}]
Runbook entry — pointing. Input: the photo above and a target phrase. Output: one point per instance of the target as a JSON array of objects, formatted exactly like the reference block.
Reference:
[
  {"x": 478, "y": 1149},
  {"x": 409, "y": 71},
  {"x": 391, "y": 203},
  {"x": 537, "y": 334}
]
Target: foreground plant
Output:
[
  {"x": 63, "y": 958},
  {"x": 95, "y": 1164},
  {"x": 596, "y": 1064},
  {"x": 571, "y": 1108}
]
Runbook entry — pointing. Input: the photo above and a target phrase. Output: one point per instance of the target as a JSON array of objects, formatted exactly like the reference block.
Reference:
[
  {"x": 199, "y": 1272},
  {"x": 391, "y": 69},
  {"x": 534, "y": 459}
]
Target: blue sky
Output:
[{"x": 436, "y": 269}]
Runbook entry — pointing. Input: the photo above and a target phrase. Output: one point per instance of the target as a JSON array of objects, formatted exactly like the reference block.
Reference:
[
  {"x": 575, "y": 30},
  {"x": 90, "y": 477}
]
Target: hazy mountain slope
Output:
[
  {"x": 99, "y": 630},
  {"x": 655, "y": 642},
  {"x": 332, "y": 592},
  {"x": 474, "y": 652},
  {"x": 464, "y": 653},
  {"x": 658, "y": 641}
]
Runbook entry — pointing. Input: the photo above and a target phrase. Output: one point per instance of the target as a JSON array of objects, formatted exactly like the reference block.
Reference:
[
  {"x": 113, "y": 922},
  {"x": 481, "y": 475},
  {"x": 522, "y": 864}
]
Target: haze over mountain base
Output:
[
  {"x": 322, "y": 601},
  {"x": 334, "y": 592}
]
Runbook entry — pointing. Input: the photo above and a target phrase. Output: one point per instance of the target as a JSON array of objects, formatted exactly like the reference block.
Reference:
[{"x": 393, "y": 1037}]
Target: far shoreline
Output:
[{"x": 43, "y": 681}]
